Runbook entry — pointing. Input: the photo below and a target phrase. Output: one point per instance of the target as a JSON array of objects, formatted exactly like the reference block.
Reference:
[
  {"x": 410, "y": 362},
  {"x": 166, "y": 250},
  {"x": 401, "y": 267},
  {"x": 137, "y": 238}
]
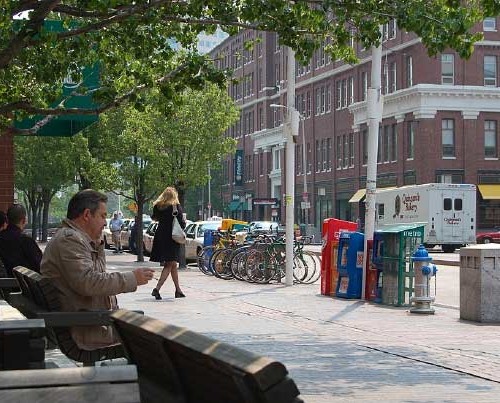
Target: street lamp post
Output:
[
  {"x": 305, "y": 195},
  {"x": 291, "y": 130}
]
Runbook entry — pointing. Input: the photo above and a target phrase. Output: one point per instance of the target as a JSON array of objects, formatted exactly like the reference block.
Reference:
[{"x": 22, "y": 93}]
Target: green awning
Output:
[
  {"x": 234, "y": 205},
  {"x": 68, "y": 125}
]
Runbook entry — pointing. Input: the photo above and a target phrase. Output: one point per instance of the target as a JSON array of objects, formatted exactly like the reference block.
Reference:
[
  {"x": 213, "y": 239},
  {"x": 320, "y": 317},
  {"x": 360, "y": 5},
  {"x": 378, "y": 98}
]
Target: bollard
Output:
[{"x": 423, "y": 270}]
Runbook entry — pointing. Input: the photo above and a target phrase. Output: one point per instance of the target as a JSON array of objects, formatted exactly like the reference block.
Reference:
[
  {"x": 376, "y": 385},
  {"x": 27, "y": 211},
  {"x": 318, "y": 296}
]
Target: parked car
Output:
[
  {"x": 195, "y": 233},
  {"x": 127, "y": 231},
  {"x": 489, "y": 237},
  {"x": 148, "y": 237},
  {"x": 150, "y": 234}
]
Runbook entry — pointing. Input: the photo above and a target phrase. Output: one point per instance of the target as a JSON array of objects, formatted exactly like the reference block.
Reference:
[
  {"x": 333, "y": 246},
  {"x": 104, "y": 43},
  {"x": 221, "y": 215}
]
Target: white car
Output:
[
  {"x": 126, "y": 232},
  {"x": 106, "y": 232},
  {"x": 195, "y": 233},
  {"x": 150, "y": 234}
]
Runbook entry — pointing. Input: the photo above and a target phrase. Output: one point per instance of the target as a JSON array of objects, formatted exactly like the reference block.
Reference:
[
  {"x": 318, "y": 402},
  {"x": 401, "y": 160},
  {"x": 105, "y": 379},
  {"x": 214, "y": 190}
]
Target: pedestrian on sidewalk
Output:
[
  {"x": 75, "y": 261},
  {"x": 115, "y": 226},
  {"x": 165, "y": 250}
]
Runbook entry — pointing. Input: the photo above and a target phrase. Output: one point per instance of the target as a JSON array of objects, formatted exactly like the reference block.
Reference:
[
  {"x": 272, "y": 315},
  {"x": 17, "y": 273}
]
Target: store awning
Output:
[
  {"x": 234, "y": 205},
  {"x": 358, "y": 196},
  {"x": 490, "y": 192}
]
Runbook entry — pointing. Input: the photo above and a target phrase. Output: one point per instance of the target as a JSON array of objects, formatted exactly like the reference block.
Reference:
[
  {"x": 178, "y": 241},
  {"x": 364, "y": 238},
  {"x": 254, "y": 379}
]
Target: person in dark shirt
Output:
[{"x": 17, "y": 248}]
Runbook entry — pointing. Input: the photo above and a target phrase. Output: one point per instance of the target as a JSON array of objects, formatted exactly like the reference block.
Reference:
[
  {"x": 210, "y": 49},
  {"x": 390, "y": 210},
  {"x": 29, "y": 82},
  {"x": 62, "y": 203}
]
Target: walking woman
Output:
[{"x": 165, "y": 250}]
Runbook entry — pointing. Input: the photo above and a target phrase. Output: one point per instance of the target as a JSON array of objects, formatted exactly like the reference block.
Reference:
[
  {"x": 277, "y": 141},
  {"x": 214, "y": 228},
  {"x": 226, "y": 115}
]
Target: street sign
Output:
[
  {"x": 304, "y": 205},
  {"x": 305, "y": 196}
]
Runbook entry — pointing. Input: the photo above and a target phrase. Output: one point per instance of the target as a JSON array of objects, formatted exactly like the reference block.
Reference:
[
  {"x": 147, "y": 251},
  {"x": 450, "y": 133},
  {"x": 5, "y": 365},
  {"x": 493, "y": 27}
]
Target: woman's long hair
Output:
[{"x": 168, "y": 197}]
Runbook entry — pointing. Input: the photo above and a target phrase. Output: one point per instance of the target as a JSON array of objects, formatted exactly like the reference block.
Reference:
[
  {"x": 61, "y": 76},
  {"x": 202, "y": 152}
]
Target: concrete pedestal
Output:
[{"x": 480, "y": 283}]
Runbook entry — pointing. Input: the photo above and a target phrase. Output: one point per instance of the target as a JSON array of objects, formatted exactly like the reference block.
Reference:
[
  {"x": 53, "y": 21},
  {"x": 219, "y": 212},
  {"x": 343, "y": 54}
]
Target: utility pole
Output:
[
  {"x": 291, "y": 130},
  {"x": 305, "y": 195},
  {"x": 374, "y": 110},
  {"x": 209, "y": 205}
]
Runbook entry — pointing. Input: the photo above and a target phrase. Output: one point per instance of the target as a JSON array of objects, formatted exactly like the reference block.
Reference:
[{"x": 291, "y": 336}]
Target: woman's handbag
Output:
[{"x": 178, "y": 234}]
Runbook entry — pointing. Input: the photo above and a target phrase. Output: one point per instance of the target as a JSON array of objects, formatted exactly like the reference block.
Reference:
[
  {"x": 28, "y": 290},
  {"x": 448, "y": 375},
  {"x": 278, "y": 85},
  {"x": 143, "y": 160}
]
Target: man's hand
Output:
[{"x": 142, "y": 276}]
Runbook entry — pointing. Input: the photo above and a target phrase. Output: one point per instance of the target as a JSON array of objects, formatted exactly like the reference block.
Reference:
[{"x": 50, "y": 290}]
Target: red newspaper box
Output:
[
  {"x": 332, "y": 227},
  {"x": 371, "y": 274}
]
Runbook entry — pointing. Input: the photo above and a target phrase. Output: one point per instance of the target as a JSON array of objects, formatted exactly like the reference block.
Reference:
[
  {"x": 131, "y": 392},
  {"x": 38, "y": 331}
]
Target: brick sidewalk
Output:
[{"x": 337, "y": 350}]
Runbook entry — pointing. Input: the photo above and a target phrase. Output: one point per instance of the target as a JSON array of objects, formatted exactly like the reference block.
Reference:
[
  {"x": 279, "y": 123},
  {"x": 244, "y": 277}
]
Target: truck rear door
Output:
[{"x": 453, "y": 217}]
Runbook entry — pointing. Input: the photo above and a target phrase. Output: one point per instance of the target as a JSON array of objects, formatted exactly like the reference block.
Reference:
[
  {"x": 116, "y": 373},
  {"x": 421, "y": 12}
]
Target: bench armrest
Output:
[
  {"x": 8, "y": 282},
  {"x": 81, "y": 318}
]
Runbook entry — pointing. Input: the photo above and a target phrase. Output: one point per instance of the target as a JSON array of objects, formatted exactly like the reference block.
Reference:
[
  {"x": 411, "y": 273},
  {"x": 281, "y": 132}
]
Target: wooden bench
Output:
[
  {"x": 22, "y": 343},
  {"x": 7, "y": 284},
  {"x": 40, "y": 299},
  {"x": 88, "y": 384},
  {"x": 180, "y": 366}
]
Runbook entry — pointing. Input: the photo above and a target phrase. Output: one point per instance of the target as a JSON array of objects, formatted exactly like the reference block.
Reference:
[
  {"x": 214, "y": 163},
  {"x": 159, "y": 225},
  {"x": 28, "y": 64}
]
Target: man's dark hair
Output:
[
  {"x": 16, "y": 213},
  {"x": 85, "y": 199}
]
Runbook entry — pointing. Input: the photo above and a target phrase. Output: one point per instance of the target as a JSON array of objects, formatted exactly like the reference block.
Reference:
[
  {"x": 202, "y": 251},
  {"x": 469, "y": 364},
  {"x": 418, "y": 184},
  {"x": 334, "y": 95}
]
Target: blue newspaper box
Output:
[
  {"x": 350, "y": 264},
  {"x": 208, "y": 238}
]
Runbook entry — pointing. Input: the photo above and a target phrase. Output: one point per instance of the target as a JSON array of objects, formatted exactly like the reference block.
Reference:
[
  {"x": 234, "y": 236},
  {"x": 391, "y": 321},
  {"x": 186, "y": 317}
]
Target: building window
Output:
[
  {"x": 339, "y": 152},
  {"x": 339, "y": 94},
  {"x": 329, "y": 153},
  {"x": 394, "y": 143},
  {"x": 346, "y": 151},
  {"x": 351, "y": 91},
  {"x": 409, "y": 71},
  {"x": 447, "y": 68},
  {"x": 385, "y": 79},
  {"x": 448, "y": 137},
  {"x": 489, "y": 24},
  {"x": 387, "y": 143},
  {"x": 351, "y": 149},
  {"x": 490, "y": 71},
  {"x": 276, "y": 159},
  {"x": 344, "y": 93},
  {"x": 318, "y": 101},
  {"x": 318, "y": 156},
  {"x": 393, "y": 77},
  {"x": 490, "y": 139},
  {"x": 410, "y": 140},
  {"x": 364, "y": 83}
]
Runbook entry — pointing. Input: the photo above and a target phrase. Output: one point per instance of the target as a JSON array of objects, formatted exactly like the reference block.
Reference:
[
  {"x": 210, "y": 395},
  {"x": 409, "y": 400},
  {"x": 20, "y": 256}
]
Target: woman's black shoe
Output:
[
  {"x": 179, "y": 294},
  {"x": 156, "y": 293}
]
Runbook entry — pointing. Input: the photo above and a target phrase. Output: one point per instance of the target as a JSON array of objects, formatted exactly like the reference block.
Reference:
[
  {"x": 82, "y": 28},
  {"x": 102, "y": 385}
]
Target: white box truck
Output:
[{"x": 448, "y": 212}]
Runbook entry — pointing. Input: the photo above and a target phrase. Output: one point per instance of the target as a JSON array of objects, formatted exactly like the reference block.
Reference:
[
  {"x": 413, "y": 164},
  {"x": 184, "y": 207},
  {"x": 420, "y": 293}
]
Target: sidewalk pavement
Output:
[{"x": 338, "y": 350}]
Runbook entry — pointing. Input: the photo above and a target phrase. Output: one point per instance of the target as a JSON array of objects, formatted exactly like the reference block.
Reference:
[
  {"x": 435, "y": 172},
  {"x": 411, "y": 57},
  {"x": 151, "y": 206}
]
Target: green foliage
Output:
[{"x": 136, "y": 42}]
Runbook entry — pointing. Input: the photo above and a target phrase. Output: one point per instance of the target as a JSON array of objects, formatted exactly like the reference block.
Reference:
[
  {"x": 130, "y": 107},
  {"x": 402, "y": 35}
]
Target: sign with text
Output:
[{"x": 238, "y": 168}]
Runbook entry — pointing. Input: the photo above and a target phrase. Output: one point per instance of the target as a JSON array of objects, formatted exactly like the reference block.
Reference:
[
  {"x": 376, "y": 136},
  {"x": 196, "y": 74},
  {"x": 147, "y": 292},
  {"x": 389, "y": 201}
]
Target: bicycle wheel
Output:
[
  {"x": 300, "y": 270},
  {"x": 204, "y": 260},
  {"x": 221, "y": 264},
  {"x": 310, "y": 260},
  {"x": 257, "y": 267}
]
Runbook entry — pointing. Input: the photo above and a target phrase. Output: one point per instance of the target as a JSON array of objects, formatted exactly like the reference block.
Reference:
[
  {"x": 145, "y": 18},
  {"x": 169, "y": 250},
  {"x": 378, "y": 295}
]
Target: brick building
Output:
[{"x": 440, "y": 124}]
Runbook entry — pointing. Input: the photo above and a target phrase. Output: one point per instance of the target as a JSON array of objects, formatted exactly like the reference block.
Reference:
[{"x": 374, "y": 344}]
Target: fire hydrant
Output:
[{"x": 424, "y": 271}]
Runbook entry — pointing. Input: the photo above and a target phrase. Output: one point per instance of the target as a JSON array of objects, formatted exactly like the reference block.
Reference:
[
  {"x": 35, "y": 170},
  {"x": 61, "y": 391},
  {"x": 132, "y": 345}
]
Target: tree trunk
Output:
[
  {"x": 47, "y": 197},
  {"x": 181, "y": 191}
]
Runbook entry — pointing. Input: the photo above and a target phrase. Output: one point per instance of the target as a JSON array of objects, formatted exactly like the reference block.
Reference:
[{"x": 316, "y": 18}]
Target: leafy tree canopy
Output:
[{"x": 135, "y": 43}]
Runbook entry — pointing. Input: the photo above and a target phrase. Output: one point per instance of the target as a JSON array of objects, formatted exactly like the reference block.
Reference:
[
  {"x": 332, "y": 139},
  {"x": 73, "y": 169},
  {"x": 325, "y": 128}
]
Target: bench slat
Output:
[
  {"x": 116, "y": 393},
  {"x": 207, "y": 370},
  {"x": 67, "y": 376}
]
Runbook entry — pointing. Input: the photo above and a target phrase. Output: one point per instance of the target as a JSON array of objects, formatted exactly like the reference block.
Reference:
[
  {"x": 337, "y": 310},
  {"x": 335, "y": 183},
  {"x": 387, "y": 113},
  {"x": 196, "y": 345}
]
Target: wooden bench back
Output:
[
  {"x": 188, "y": 367},
  {"x": 88, "y": 384},
  {"x": 45, "y": 296}
]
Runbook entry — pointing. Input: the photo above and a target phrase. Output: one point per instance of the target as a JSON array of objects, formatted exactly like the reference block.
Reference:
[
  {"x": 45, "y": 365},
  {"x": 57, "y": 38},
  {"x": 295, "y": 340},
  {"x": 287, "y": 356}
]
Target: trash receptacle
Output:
[{"x": 480, "y": 283}]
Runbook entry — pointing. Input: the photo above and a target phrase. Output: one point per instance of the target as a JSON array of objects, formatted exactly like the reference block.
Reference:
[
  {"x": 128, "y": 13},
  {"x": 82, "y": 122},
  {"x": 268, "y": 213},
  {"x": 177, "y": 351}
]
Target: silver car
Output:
[{"x": 195, "y": 233}]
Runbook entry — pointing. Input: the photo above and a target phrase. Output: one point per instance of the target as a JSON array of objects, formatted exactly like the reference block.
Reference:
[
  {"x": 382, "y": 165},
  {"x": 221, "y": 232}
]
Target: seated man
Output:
[
  {"x": 17, "y": 248},
  {"x": 75, "y": 260}
]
